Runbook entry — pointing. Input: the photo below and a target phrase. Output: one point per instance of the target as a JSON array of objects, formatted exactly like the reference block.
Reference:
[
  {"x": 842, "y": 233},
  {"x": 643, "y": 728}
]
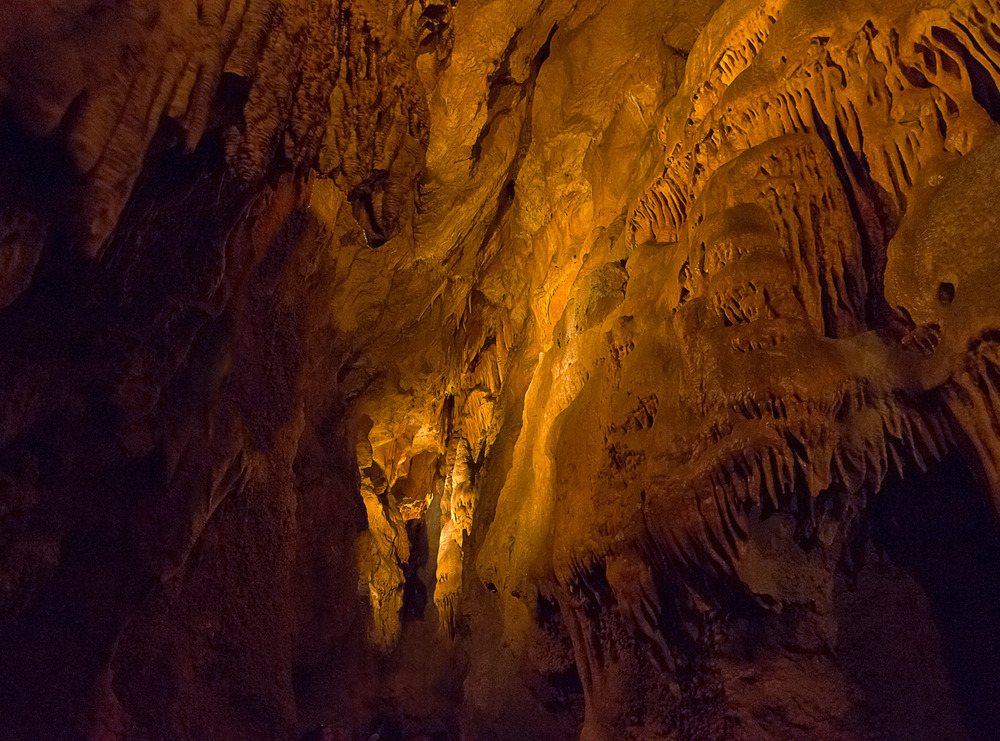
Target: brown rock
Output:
[{"x": 437, "y": 369}]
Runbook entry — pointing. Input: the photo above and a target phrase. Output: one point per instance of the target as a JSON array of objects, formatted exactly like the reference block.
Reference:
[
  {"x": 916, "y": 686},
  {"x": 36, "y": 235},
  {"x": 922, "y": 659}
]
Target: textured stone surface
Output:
[{"x": 487, "y": 370}]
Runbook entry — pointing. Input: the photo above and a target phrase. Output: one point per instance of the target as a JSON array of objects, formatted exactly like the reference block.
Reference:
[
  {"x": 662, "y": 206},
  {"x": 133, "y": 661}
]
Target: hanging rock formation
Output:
[{"x": 487, "y": 370}]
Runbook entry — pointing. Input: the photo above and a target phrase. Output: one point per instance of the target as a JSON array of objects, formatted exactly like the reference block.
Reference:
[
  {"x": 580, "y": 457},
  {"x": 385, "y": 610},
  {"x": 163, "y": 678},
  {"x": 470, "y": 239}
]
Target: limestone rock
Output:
[{"x": 485, "y": 369}]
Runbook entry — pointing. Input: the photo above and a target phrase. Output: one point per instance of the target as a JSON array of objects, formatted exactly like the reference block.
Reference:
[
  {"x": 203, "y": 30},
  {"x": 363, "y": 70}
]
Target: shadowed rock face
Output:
[{"x": 499, "y": 369}]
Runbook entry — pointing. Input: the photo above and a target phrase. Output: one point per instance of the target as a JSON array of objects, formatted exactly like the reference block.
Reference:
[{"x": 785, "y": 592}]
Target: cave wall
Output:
[
  {"x": 180, "y": 496},
  {"x": 494, "y": 369}
]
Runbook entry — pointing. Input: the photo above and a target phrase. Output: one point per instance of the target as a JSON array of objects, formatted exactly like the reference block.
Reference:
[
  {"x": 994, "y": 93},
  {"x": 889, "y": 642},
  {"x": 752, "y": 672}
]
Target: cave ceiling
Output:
[{"x": 482, "y": 369}]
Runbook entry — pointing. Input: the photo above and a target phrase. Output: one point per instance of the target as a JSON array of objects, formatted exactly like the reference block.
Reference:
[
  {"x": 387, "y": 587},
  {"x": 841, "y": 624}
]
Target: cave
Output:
[
  {"x": 477, "y": 370},
  {"x": 938, "y": 530}
]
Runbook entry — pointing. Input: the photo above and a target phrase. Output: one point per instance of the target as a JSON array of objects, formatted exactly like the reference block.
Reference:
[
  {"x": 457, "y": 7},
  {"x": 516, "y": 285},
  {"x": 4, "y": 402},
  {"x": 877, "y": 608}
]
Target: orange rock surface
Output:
[{"x": 466, "y": 369}]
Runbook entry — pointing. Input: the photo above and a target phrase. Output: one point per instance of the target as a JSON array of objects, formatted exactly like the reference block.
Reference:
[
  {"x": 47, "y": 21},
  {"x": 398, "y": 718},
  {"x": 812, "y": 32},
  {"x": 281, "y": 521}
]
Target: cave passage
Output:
[{"x": 940, "y": 528}]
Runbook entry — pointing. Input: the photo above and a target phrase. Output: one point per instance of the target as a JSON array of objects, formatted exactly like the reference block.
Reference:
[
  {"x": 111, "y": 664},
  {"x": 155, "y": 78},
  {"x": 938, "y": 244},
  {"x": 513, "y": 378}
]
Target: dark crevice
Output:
[
  {"x": 366, "y": 203},
  {"x": 830, "y": 328},
  {"x": 939, "y": 528},
  {"x": 499, "y": 83},
  {"x": 874, "y": 230},
  {"x": 414, "y": 589},
  {"x": 506, "y": 198},
  {"x": 504, "y": 202},
  {"x": 503, "y": 91},
  {"x": 984, "y": 88}
]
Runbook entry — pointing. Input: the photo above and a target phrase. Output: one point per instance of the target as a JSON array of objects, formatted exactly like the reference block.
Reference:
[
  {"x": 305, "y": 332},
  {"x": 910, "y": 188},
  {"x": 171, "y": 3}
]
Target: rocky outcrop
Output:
[{"x": 499, "y": 369}]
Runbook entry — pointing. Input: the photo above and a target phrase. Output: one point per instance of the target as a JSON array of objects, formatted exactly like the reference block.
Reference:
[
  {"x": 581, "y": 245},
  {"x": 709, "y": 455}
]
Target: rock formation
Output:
[{"x": 472, "y": 369}]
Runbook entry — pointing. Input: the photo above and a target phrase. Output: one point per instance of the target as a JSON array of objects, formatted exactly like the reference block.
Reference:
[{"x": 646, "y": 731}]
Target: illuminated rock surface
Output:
[{"x": 500, "y": 370}]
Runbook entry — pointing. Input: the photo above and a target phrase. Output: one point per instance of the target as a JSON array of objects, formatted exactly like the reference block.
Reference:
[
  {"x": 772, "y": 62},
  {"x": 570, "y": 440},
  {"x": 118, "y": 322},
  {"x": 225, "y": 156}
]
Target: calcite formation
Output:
[{"x": 495, "y": 369}]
